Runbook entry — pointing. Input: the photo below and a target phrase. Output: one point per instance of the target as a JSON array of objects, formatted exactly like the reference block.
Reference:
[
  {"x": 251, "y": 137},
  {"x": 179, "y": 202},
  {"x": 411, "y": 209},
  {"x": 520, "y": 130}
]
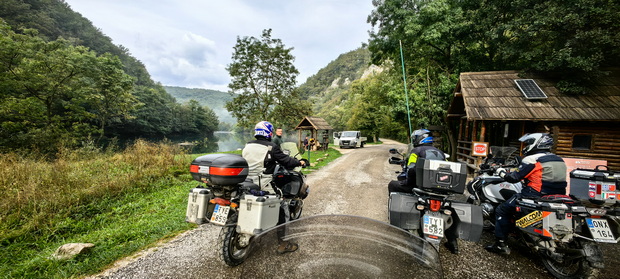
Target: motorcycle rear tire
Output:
[
  {"x": 574, "y": 269},
  {"x": 232, "y": 252}
]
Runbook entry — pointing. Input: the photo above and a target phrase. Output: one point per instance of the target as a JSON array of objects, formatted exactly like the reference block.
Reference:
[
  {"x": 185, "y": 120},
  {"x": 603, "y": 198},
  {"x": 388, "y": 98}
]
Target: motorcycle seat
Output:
[{"x": 565, "y": 199}]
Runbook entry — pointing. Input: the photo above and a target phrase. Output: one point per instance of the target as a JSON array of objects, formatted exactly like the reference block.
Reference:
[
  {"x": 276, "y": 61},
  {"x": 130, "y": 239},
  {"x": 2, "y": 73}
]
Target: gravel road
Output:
[{"x": 354, "y": 184}]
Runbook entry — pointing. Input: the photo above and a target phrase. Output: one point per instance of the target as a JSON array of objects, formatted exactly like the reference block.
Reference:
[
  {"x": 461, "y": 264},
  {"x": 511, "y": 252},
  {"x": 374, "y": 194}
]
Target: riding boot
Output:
[
  {"x": 500, "y": 247},
  {"x": 453, "y": 246}
]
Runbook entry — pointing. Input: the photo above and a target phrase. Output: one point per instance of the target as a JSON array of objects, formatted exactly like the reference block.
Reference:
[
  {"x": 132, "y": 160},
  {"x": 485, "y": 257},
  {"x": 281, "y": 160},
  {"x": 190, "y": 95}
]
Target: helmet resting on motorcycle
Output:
[
  {"x": 536, "y": 142},
  {"x": 264, "y": 129},
  {"x": 421, "y": 136}
]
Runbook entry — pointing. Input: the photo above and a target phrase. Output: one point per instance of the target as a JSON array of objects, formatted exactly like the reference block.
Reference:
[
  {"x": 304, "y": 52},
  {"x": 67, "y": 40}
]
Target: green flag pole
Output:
[{"x": 402, "y": 60}]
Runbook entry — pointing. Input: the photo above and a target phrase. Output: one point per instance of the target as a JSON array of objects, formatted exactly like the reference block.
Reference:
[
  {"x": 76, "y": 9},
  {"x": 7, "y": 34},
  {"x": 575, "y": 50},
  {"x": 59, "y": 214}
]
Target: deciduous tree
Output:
[{"x": 263, "y": 82}]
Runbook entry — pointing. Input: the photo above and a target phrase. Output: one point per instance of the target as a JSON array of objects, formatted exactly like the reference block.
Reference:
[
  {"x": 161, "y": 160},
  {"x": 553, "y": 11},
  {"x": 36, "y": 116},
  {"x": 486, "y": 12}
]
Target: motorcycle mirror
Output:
[{"x": 393, "y": 151}]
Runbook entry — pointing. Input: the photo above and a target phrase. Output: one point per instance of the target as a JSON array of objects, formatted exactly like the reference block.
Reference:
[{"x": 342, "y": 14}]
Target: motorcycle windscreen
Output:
[
  {"x": 342, "y": 246},
  {"x": 290, "y": 148}
]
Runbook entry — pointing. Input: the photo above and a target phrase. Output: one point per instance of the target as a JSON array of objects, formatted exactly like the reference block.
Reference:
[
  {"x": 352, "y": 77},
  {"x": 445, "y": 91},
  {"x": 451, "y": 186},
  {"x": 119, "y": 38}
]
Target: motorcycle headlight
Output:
[{"x": 597, "y": 211}]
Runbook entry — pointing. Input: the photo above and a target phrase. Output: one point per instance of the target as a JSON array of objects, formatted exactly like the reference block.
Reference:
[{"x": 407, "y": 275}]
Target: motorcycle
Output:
[
  {"x": 432, "y": 210},
  {"x": 230, "y": 200},
  {"x": 562, "y": 230},
  {"x": 493, "y": 196}
]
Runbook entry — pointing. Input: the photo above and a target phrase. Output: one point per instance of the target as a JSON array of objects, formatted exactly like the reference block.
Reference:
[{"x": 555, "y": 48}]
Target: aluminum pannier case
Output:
[
  {"x": 599, "y": 185},
  {"x": 199, "y": 209},
  {"x": 258, "y": 213}
]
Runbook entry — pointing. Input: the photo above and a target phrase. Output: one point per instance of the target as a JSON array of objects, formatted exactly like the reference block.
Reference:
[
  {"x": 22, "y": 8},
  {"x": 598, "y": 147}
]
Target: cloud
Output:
[{"x": 189, "y": 43}]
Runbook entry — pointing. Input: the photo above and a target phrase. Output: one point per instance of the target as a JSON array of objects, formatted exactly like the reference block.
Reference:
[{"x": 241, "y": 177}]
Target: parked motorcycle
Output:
[
  {"x": 432, "y": 209},
  {"x": 562, "y": 230},
  {"x": 237, "y": 204}
]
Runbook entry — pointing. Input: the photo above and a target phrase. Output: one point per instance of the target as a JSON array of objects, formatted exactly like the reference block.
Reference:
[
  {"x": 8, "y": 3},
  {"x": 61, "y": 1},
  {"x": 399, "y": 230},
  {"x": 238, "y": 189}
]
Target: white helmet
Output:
[
  {"x": 535, "y": 142},
  {"x": 264, "y": 129}
]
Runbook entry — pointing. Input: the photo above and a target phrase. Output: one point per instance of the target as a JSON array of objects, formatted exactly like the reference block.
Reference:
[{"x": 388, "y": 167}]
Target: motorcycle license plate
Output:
[
  {"x": 220, "y": 214},
  {"x": 600, "y": 230},
  {"x": 433, "y": 226}
]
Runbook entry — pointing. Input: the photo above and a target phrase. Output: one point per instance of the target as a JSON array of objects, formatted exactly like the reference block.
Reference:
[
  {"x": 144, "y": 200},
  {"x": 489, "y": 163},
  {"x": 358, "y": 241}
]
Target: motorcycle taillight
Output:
[
  {"x": 435, "y": 205},
  {"x": 220, "y": 201}
]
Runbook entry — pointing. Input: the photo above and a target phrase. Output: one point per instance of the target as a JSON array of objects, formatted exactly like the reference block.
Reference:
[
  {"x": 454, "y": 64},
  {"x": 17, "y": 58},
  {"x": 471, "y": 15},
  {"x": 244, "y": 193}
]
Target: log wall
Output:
[{"x": 605, "y": 142}]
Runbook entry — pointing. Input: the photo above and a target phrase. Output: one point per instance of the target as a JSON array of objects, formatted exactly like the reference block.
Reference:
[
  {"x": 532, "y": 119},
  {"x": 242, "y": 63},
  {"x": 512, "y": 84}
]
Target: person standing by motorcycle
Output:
[
  {"x": 423, "y": 149},
  {"x": 262, "y": 156},
  {"x": 278, "y": 138},
  {"x": 543, "y": 173}
]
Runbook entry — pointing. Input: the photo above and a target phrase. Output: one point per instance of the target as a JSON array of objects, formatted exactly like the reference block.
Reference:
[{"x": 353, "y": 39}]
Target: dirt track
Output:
[{"x": 354, "y": 184}]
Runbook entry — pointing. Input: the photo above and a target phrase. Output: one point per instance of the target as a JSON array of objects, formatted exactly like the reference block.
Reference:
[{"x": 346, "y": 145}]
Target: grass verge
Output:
[{"x": 122, "y": 202}]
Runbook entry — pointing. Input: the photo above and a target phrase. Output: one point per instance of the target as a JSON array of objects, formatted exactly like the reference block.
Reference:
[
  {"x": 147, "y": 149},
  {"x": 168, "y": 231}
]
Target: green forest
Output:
[{"x": 63, "y": 83}]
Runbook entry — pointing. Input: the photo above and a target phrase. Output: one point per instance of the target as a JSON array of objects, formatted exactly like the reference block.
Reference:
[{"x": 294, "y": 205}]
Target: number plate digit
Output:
[
  {"x": 433, "y": 226},
  {"x": 600, "y": 230},
  {"x": 220, "y": 214}
]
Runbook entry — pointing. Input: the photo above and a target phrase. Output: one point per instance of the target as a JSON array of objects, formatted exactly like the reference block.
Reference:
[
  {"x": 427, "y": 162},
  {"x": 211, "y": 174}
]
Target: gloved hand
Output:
[{"x": 501, "y": 172}]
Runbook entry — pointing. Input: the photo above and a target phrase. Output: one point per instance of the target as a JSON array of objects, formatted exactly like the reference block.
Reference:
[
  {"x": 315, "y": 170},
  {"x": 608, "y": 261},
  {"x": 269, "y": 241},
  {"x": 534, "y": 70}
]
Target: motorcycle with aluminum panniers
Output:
[
  {"x": 228, "y": 199},
  {"x": 563, "y": 230},
  {"x": 433, "y": 208}
]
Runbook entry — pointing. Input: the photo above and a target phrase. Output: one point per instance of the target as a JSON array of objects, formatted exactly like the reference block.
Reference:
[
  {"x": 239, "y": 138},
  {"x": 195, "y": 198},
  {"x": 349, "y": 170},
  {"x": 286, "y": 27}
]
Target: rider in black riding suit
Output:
[
  {"x": 543, "y": 172},
  {"x": 423, "y": 149}
]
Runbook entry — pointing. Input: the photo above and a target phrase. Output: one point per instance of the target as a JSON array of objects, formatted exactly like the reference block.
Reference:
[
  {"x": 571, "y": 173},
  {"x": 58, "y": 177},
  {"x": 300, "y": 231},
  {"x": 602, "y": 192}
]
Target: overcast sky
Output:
[{"x": 188, "y": 43}]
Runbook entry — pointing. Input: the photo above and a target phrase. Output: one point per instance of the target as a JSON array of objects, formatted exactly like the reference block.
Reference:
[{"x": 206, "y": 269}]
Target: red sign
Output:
[{"x": 480, "y": 148}]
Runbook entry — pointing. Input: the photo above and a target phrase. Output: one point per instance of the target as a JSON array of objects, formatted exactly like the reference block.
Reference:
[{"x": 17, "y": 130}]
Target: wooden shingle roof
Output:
[
  {"x": 495, "y": 96},
  {"x": 313, "y": 123}
]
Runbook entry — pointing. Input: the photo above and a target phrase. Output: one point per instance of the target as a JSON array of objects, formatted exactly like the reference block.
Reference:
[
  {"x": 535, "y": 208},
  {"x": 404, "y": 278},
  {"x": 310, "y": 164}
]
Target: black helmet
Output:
[
  {"x": 421, "y": 136},
  {"x": 536, "y": 142}
]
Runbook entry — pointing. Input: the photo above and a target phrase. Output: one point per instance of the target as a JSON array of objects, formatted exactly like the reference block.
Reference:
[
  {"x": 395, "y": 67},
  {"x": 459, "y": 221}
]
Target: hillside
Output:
[
  {"x": 338, "y": 73},
  {"x": 328, "y": 89},
  {"x": 213, "y": 99}
]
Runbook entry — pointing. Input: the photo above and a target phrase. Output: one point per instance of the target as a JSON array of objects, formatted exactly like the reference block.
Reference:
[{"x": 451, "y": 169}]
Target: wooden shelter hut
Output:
[
  {"x": 491, "y": 107},
  {"x": 314, "y": 125}
]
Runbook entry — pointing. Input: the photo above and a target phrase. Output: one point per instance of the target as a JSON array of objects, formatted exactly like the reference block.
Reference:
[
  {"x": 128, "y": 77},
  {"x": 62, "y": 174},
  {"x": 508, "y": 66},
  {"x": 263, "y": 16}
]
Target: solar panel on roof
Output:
[{"x": 530, "y": 89}]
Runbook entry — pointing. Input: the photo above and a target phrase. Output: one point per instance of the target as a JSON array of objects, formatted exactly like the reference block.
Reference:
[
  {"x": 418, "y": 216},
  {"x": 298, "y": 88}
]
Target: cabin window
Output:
[{"x": 583, "y": 142}]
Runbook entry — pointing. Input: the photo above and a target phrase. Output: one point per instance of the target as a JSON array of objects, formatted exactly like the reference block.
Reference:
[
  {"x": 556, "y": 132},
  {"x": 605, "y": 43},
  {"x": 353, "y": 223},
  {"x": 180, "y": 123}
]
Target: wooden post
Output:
[
  {"x": 467, "y": 130},
  {"x": 483, "y": 130},
  {"x": 460, "y": 129},
  {"x": 474, "y": 132},
  {"x": 555, "y": 132}
]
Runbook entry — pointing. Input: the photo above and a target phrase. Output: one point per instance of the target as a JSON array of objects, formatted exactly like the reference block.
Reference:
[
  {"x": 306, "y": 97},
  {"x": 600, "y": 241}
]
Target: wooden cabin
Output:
[
  {"x": 314, "y": 125},
  {"x": 491, "y": 107}
]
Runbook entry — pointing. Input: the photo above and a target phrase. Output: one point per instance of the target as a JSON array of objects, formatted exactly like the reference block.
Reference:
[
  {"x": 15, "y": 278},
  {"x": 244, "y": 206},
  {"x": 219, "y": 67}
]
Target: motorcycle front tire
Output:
[{"x": 232, "y": 252}]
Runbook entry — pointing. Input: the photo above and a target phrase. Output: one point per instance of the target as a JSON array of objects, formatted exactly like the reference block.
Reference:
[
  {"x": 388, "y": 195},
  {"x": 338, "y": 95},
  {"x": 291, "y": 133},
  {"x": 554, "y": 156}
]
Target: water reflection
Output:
[{"x": 229, "y": 141}]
